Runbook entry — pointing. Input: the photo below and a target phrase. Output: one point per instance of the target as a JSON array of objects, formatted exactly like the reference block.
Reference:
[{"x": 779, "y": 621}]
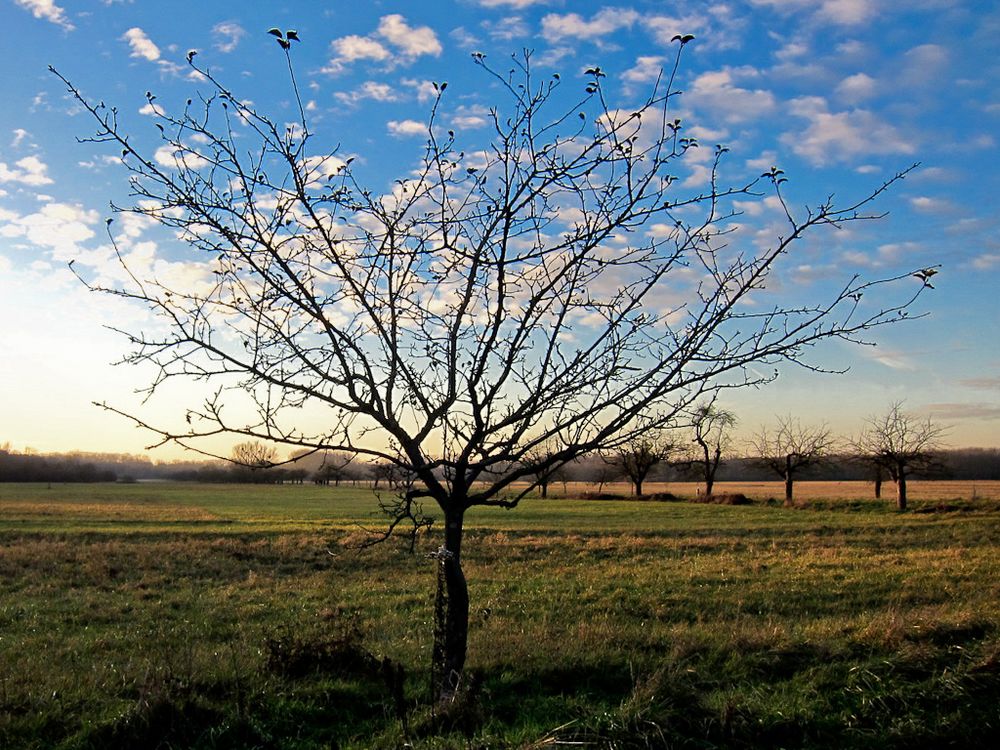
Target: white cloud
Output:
[
  {"x": 856, "y": 88},
  {"x": 424, "y": 89},
  {"x": 720, "y": 26},
  {"x": 518, "y": 4},
  {"x": 764, "y": 162},
  {"x": 354, "y": 47},
  {"x": 847, "y": 12},
  {"x": 976, "y": 411},
  {"x": 151, "y": 110},
  {"x": 405, "y": 128},
  {"x": 839, "y": 12},
  {"x": 647, "y": 69},
  {"x": 841, "y": 136},
  {"x": 142, "y": 46},
  {"x": 925, "y": 58},
  {"x": 468, "y": 117},
  {"x": 19, "y": 135},
  {"x": 28, "y": 171},
  {"x": 927, "y": 205},
  {"x": 792, "y": 51},
  {"x": 557, "y": 27},
  {"x": 553, "y": 56},
  {"x": 717, "y": 92},
  {"x": 227, "y": 35},
  {"x": 380, "y": 92},
  {"x": 57, "y": 226},
  {"x": 986, "y": 261},
  {"x": 318, "y": 169},
  {"x": 179, "y": 157},
  {"x": 506, "y": 29},
  {"x": 981, "y": 383},
  {"x": 47, "y": 10},
  {"x": 665, "y": 28},
  {"x": 411, "y": 41},
  {"x": 893, "y": 359},
  {"x": 464, "y": 38}
]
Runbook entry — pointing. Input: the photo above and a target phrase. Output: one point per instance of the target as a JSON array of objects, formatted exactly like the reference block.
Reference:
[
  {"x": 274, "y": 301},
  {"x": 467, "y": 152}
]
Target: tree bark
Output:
[
  {"x": 451, "y": 626},
  {"x": 788, "y": 489},
  {"x": 638, "y": 487},
  {"x": 901, "y": 492}
]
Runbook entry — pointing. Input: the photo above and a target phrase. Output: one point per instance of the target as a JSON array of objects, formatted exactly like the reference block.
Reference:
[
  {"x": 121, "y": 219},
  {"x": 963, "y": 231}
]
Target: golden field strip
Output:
[{"x": 929, "y": 490}]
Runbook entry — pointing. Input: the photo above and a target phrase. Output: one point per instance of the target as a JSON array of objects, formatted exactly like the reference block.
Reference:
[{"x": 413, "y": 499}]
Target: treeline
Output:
[
  {"x": 27, "y": 467},
  {"x": 959, "y": 464},
  {"x": 76, "y": 466}
]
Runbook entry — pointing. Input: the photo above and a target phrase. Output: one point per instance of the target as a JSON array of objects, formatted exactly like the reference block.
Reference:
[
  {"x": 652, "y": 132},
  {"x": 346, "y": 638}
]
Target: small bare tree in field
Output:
[
  {"x": 254, "y": 454},
  {"x": 552, "y": 286},
  {"x": 711, "y": 427},
  {"x": 900, "y": 444},
  {"x": 790, "y": 448},
  {"x": 253, "y": 458},
  {"x": 543, "y": 470},
  {"x": 639, "y": 457}
]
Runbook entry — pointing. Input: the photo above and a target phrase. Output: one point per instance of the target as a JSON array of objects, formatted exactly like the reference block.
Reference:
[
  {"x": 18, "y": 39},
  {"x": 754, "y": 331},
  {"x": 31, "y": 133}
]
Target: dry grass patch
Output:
[{"x": 30, "y": 510}]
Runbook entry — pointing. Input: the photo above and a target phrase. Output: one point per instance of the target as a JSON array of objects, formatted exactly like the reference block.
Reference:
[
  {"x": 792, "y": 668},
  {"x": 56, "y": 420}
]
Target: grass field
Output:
[{"x": 227, "y": 616}]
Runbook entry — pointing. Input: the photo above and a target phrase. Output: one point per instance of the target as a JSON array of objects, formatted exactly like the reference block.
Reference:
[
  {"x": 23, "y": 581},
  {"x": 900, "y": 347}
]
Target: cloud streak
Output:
[{"x": 48, "y": 11}]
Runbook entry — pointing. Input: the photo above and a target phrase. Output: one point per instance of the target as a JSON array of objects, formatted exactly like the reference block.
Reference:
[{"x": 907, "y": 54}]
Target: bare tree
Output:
[
  {"x": 334, "y": 467},
  {"x": 900, "y": 444},
  {"x": 543, "y": 469},
  {"x": 639, "y": 457},
  {"x": 254, "y": 454},
  {"x": 790, "y": 448},
  {"x": 253, "y": 458},
  {"x": 500, "y": 296},
  {"x": 602, "y": 472},
  {"x": 384, "y": 471},
  {"x": 711, "y": 427}
]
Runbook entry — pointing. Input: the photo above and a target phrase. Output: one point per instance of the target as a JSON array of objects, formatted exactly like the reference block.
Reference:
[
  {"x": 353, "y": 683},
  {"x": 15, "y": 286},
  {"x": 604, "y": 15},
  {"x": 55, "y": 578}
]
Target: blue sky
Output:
[{"x": 840, "y": 94}]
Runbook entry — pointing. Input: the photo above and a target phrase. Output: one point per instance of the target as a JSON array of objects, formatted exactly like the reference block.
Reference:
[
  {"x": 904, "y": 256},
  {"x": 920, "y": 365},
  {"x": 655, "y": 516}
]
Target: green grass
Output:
[{"x": 170, "y": 615}]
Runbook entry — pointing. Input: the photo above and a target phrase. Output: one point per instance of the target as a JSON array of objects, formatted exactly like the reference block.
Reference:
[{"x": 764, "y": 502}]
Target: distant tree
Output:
[
  {"x": 602, "y": 472},
  {"x": 637, "y": 458},
  {"x": 543, "y": 469},
  {"x": 335, "y": 467},
  {"x": 498, "y": 295},
  {"x": 254, "y": 454},
  {"x": 383, "y": 471},
  {"x": 900, "y": 444},
  {"x": 253, "y": 459},
  {"x": 790, "y": 448},
  {"x": 711, "y": 426}
]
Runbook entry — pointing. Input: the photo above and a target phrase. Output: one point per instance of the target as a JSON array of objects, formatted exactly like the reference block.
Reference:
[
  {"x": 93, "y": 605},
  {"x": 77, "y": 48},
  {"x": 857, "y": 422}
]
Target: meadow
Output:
[{"x": 235, "y": 616}]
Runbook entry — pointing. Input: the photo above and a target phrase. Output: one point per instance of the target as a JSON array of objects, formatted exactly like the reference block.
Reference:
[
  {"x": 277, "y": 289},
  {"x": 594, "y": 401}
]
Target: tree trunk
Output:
[
  {"x": 878, "y": 487},
  {"x": 451, "y": 615},
  {"x": 638, "y": 487},
  {"x": 788, "y": 489},
  {"x": 544, "y": 486},
  {"x": 709, "y": 483},
  {"x": 901, "y": 492}
]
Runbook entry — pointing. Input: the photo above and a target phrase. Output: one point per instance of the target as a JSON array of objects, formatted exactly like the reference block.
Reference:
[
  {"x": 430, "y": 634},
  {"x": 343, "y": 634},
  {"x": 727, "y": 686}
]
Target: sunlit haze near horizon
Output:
[{"x": 840, "y": 94}]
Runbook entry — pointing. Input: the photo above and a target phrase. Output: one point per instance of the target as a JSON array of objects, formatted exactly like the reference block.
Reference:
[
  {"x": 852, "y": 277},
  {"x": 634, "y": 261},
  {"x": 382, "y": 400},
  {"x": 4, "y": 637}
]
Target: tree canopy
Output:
[{"x": 503, "y": 308}]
